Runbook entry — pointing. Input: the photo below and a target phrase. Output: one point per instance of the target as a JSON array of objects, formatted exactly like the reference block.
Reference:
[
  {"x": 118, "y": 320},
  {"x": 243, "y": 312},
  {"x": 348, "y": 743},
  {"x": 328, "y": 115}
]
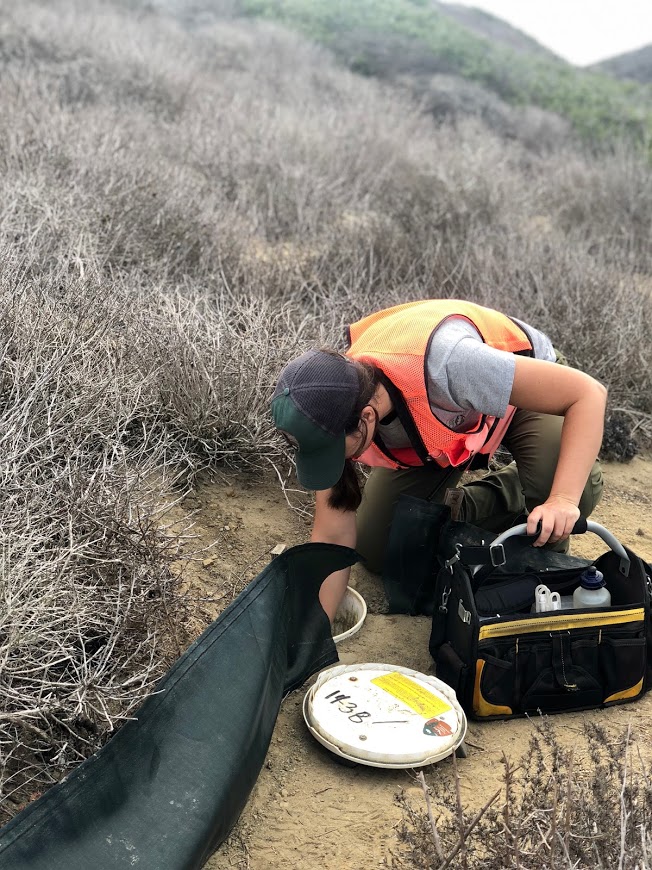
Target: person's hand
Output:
[{"x": 557, "y": 516}]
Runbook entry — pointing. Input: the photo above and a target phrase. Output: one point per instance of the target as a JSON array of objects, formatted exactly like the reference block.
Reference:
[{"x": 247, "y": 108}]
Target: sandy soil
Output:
[{"x": 307, "y": 811}]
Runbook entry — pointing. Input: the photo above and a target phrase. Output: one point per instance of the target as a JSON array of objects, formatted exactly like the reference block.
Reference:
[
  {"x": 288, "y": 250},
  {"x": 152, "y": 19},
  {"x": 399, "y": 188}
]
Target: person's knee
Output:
[
  {"x": 370, "y": 543},
  {"x": 592, "y": 491}
]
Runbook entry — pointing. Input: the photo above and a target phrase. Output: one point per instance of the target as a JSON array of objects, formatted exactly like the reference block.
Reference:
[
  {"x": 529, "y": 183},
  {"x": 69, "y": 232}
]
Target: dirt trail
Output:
[{"x": 307, "y": 811}]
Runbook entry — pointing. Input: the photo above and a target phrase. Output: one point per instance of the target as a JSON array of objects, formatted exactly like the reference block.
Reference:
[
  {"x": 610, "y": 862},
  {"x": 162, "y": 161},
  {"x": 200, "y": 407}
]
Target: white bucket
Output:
[
  {"x": 350, "y": 615},
  {"x": 384, "y": 716}
]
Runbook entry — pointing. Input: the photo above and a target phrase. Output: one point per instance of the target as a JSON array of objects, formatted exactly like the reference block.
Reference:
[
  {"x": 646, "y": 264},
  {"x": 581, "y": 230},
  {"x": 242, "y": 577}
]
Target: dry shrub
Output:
[
  {"x": 617, "y": 441},
  {"x": 450, "y": 99},
  {"x": 553, "y": 812},
  {"x": 216, "y": 366},
  {"x": 85, "y": 584}
]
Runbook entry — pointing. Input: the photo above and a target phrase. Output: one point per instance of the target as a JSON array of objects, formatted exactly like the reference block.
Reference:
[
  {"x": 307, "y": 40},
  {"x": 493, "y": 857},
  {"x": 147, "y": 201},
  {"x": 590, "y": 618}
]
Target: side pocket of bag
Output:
[
  {"x": 647, "y": 572},
  {"x": 624, "y": 663},
  {"x": 438, "y": 631},
  {"x": 494, "y": 688},
  {"x": 452, "y": 670}
]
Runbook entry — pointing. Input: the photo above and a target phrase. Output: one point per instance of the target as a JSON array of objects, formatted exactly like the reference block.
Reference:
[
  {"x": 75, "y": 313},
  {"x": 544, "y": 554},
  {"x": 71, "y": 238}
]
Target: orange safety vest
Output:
[{"x": 396, "y": 341}]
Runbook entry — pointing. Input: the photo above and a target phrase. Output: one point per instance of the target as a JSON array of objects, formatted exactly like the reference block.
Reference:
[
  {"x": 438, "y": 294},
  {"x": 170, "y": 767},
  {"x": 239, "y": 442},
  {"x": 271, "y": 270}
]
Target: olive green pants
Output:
[{"x": 493, "y": 502}]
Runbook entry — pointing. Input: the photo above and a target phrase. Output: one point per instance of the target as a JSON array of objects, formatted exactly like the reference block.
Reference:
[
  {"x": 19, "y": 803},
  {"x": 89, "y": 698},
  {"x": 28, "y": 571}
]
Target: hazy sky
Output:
[{"x": 581, "y": 31}]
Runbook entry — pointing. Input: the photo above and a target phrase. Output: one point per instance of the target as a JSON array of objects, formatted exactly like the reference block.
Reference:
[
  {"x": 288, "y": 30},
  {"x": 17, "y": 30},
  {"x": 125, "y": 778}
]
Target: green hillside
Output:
[
  {"x": 635, "y": 65},
  {"x": 494, "y": 28},
  {"x": 599, "y": 107}
]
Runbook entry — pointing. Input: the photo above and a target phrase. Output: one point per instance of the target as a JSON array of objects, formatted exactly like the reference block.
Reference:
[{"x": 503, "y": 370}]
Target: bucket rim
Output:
[
  {"x": 362, "y": 605},
  {"x": 346, "y": 751}
]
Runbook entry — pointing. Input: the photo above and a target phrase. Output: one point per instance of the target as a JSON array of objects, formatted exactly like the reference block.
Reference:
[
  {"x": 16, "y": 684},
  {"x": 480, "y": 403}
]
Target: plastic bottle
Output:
[{"x": 592, "y": 591}]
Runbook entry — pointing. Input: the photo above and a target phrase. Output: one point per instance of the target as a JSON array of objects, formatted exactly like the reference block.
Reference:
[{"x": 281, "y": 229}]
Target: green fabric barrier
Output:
[{"x": 166, "y": 790}]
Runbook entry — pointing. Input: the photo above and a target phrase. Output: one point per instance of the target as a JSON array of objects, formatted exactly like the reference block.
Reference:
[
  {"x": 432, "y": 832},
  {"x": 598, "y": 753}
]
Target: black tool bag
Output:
[{"x": 504, "y": 660}]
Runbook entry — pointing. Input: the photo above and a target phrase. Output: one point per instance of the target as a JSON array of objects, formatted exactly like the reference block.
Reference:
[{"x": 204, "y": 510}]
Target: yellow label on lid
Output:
[{"x": 413, "y": 695}]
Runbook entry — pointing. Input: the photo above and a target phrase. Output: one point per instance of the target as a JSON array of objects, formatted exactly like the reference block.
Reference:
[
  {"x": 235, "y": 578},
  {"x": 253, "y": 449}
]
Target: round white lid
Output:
[{"x": 384, "y": 715}]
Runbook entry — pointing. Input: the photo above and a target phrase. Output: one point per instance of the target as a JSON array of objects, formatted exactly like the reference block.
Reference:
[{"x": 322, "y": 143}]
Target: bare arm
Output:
[
  {"x": 555, "y": 389},
  {"x": 333, "y": 527}
]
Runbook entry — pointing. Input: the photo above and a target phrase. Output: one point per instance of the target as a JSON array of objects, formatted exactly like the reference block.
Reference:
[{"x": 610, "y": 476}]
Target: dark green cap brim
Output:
[{"x": 320, "y": 455}]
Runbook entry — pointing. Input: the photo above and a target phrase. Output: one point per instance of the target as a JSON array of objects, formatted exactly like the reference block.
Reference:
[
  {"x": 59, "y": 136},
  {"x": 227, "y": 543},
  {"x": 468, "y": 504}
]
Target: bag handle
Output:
[{"x": 497, "y": 551}]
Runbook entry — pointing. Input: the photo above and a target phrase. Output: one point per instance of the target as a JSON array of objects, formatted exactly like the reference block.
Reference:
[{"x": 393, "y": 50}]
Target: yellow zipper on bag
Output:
[{"x": 561, "y": 623}]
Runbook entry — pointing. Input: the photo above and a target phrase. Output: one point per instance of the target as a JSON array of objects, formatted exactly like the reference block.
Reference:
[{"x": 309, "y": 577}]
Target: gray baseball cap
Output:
[{"x": 314, "y": 399}]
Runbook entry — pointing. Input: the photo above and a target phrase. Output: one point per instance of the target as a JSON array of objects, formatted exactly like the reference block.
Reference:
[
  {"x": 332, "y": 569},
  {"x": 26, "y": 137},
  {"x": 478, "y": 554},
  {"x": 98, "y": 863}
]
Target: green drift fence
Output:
[{"x": 167, "y": 789}]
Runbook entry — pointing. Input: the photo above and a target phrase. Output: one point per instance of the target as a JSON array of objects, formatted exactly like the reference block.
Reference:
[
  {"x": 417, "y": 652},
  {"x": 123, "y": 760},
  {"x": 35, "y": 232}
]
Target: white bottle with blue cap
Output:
[{"x": 592, "y": 591}]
